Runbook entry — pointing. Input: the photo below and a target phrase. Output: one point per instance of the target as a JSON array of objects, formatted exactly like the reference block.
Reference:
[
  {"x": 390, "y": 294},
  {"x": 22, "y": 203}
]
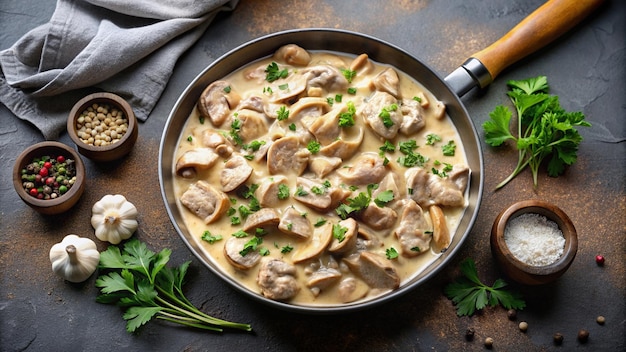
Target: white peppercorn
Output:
[{"x": 101, "y": 125}]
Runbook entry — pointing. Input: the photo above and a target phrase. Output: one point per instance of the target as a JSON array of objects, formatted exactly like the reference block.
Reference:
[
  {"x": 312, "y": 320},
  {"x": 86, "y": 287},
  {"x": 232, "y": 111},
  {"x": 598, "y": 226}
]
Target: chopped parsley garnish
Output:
[
  {"x": 338, "y": 98},
  {"x": 235, "y": 127},
  {"x": 283, "y": 86},
  {"x": 208, "y": 237},
  {"x": 300, "y": 192},
  {"x": 251, "y": 245},
  {"x": 469, "y": 294},
  {"x": 235, "y": 220},
  {"x": 272, "y": 72},
  {"x": 283, "y": 191},
  {"x": 227, "y": 89},
  {"x": 313, "y": 147},
  {"x": 449, "y": 149},
  {"x": 417, "y": 99},
  {"x": 411, "y": 157},
  {"x": 286, "y": 249},
  {"x": 240, "y": 234},
  {"x": 254, "y": 145},
  {"x": 387, "y": 147},
  {"x": 383, "y": 198},
  {"x": 317, "y": 190},
  {"x": 319, "y": 222},
  {"x": 432, "y": 138},
  {"x": 346, "y": 119},
  {"x": 356, "y": 204},
  {"x": 292, "y": 127},
  {"x": 348, "y": 74},
  {"x": 391, "y": 253},
  {"x": 339, "y": 232},
  {"x": 282, "y": 113},
  {"x": 385, "y": 115},
  {"x": 189, "y": 138},
  {"x": 352, "y": 90}
]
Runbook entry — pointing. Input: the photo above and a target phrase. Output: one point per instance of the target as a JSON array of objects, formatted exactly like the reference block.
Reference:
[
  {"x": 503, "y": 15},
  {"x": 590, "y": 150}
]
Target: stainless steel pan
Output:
[{"x": 545, "y": 24}]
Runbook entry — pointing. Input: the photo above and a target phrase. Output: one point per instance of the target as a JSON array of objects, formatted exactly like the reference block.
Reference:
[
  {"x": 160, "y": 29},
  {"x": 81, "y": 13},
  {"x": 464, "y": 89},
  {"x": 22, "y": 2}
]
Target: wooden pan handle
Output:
[{"x": 544, "y": 25}]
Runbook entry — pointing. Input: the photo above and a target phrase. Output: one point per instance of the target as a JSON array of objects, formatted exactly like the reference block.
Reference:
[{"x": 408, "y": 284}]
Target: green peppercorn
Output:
[{"x": 62, "y": 189}]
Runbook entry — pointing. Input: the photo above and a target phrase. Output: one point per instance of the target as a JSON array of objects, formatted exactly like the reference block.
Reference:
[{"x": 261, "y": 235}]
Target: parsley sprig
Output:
[
  {"x": 139, "y": 280},
  {"x": 545, "y": 129},
  {"x": 470, "y": 294}
]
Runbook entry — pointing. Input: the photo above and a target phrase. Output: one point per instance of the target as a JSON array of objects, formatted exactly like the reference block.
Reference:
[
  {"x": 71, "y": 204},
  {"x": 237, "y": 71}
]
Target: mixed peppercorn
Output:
[{"x": 49, "y": 177}]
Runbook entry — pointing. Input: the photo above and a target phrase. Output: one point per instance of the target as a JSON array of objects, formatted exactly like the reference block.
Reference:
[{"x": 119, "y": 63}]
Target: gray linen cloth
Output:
[{"x": 126, "y": 47}]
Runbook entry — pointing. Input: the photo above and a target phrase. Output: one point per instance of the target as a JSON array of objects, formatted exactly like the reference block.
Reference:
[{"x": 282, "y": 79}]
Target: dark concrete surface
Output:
[{"x": 586, "y": 68}]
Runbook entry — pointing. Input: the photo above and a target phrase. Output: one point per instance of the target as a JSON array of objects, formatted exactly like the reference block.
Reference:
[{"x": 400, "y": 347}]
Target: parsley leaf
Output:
[
  {"x": 469, "y": 294},
  {"x": 140, "y": 281},
  {"x": 272, "y": 72},
  {"x": 545, "y": 131}
]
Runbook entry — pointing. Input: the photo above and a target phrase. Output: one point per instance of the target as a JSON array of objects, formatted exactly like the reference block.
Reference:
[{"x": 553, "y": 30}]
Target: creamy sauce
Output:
[{"x": 274, "y": 241}]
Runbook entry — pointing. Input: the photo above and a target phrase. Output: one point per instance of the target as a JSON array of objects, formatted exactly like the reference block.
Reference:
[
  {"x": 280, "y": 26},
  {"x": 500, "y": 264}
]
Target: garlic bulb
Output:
[
  {"x": 75, "y": 258},
  {"x": 114, "y": 218}
]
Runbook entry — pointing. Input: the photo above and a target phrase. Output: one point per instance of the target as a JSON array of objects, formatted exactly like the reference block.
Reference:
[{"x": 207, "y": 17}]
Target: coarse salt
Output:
[{"x": 534, "y": 239}]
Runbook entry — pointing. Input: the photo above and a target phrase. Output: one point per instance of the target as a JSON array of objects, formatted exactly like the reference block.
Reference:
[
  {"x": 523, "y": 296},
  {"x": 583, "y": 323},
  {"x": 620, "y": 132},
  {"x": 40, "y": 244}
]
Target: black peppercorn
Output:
[
  {"x": 469, "y": 334},
  {"x": 583, "y": 336},
  {"x": 512, "y": 314},
  {"x": 558, "y": 339}
]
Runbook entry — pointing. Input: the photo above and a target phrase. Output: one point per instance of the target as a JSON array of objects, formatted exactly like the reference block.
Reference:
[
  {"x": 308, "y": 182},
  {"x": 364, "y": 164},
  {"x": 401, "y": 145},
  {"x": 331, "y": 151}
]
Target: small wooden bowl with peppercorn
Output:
[
  {"x": 49, "y": 177},
  {"x": 534, "y": 242},
  {"x": 103, "y": 126}
]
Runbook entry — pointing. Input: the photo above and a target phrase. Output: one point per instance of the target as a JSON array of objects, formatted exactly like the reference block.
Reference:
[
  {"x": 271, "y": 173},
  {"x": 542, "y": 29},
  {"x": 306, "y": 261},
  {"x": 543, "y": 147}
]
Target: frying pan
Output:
[{"x": 545, "y": 24}]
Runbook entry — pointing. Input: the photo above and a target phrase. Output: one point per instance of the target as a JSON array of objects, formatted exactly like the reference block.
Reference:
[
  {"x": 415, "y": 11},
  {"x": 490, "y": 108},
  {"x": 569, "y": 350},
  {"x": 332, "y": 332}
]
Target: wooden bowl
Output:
[
  {"x": 63, "y": 202},
  {"x": 111, "y": 151},
  {"x": 520, "y": 271}
]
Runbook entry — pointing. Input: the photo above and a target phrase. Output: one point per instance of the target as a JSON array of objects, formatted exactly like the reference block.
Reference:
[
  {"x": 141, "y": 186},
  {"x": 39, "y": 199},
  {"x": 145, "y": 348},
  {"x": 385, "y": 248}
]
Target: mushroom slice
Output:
[
  {"x": 205, "y": 201},
  {"x": 343, "y": 148},
  {"x": 216, "y": 104},
  {"x": 377, "y": 271},
  {"x": 441, "y": 234},
  {"x": 387, "y": 81},
  {"x": 322, "y": 165},
  {"x": 362, "y": 65},
  {"x": 263, "y": 218},
  {"x": 277, "y": 279},
  {"x": 368, "y": 168},
  {"x": 191, "y": 160},
  {"x": 388, "y": 127},
  {"x": 352, "y": 289},
  {"x": 323, "y": 278},
  {"x": 316, "y": 245},
  {"x": 327, "y": 77},
  {"x": 411, "y": 234},
  {"x": 412, "y": 117},
  {"x": 290, "y": 88},
  {"x": 213, "y": 139},
  {"x": 268, "y": 192},
  {"x": 292, "y": 54},
  {"x": 295, "y": 223},
  {"x": 233, "y": 249},
  {"x": 344, "y": 236},
  {"x": 325, "y": 128},
  {"x": 236, "y": 171},
  {"x": 285, "y": 156},
  {"x": 252, "y": 103},
  {"x": 308, "y": 107}
]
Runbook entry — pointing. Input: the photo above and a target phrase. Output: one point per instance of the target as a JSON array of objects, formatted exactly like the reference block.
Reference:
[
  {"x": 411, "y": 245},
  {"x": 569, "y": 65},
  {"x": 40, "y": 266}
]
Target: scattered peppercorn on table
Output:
[{"x": 584, "y": 309}]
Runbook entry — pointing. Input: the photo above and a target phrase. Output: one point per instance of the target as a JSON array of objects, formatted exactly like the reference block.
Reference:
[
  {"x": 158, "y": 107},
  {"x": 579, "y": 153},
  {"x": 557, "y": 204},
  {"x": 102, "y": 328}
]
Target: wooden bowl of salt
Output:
[{"x": 534, "y": 242}]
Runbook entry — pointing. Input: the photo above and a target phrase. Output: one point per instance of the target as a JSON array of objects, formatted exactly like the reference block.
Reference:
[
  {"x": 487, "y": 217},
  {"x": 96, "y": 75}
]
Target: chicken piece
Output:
[
  {"x": 368, "y": 168},
  {"x": 294, "y": 223},
  {"x": 261, "y": 219},
  {"x": 411, "y": 232},
  {"x": 194, "y": 159},
  {"x": 387, "y": 128},
  {"x": 253, "y": 125},
  {"x": 345, "y": 234},
  {"x": 412, "y": 117},
  {"x": 216, "y": 104},
  {"x": 313, "y": 194},
  {"x": 325, "y": 128},
  {"x": 431, "y": 189},
  {"x": 379, "y": 218},
  {"x": 277, "y": 279},
  {"x": 286, "y": 157},
  {"x": 377, "y": 271},
  {"x": 233, "y": 249},
  {"x": 315, "y": 246},
  {"x": 236, "y": 171},
  {"x": 292, "y": 54},
  {"x": 352, "y": 289},
  {"x": 206, "y": 202},
  {"x": 326, "y": 77},
  {"x": 253, "y": 103},
  {"x": 268, "y": 191},
  {"x": 387, "y": 81},
  {"x": 212, "y": 139}
]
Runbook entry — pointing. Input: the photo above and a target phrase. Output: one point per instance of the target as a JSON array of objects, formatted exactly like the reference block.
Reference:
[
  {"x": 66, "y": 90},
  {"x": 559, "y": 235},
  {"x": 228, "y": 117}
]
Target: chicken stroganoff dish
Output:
[{"x": 320, "y": 178}]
